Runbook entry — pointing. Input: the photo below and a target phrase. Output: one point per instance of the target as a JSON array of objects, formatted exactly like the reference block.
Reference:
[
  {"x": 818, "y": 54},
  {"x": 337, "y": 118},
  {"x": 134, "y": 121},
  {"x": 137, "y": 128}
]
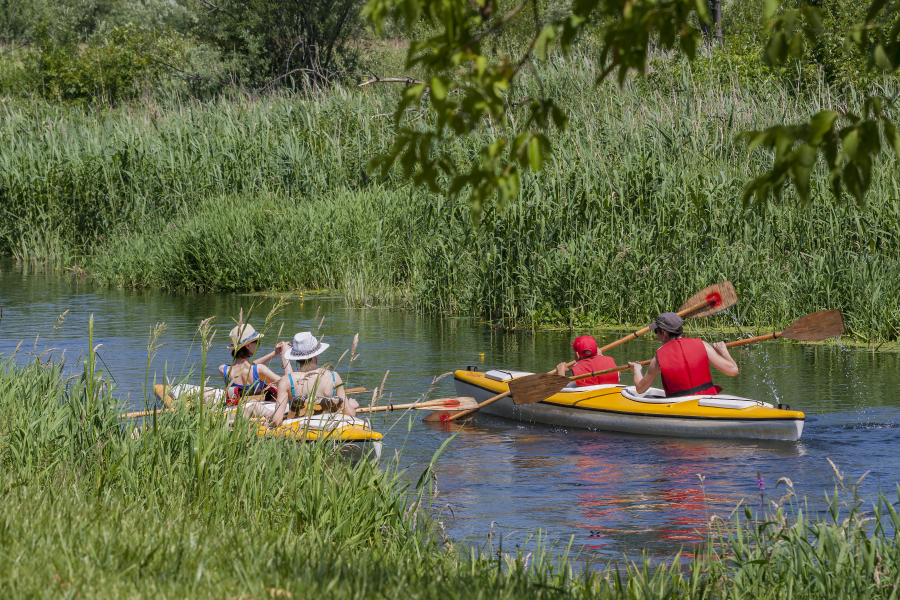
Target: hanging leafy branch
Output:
[{"x": 468, "y": 90}]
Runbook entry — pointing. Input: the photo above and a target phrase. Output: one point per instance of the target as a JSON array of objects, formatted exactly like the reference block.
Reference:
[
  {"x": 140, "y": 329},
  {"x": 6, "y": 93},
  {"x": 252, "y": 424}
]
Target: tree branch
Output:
[
  {"x": 219, "y": 9},
  {"x": 376, "y": 79}
]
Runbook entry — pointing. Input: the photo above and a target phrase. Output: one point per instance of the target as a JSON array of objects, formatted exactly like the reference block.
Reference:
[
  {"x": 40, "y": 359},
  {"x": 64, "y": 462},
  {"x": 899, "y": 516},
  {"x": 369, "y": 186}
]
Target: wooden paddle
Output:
[
  {"x": 457, "y": 403},
  {"x": 814, "y": 327},
  {"x": 708, "y": 301}
]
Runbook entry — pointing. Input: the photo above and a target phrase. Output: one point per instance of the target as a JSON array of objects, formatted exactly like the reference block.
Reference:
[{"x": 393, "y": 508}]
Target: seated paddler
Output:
[
  {"x": 587, "y": 360},
  {"x": 248, "y": 375},
  {"x": 308, "y": 384},
  {"x": 683, "y": 363}
]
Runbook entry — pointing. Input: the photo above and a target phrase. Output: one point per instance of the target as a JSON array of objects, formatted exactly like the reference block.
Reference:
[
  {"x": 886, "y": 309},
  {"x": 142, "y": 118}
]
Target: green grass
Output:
[
  {"x": 639, "y": 208},
  {"x": 189, "y": 509}
]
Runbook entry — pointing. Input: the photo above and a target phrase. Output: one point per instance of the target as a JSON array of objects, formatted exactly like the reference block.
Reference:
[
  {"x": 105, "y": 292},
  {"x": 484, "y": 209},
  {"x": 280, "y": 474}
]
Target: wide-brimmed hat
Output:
[
  {"x": 670, "y": 322},
  {"x": 243, "y": 335},
  {"x": 305, "y": 346}
]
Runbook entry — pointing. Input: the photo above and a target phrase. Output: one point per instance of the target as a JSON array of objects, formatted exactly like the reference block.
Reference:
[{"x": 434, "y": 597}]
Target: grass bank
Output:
[
  {"x": 189, "y": 509},
  {"x": 639, "y": 208}
]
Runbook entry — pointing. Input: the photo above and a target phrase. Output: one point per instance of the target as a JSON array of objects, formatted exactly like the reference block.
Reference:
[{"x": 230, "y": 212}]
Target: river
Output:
[{"x": 612, "y": 494}]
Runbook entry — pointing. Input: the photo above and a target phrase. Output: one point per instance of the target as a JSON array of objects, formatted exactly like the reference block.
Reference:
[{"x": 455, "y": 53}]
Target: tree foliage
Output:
[
  {"x": 469, "y": 86},
  {"x": 282, "y": 38}
]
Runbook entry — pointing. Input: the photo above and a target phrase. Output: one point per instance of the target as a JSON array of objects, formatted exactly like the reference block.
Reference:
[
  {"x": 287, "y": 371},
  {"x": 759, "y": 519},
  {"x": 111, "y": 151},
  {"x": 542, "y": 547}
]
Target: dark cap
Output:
[{"x": 668, "y": 322}]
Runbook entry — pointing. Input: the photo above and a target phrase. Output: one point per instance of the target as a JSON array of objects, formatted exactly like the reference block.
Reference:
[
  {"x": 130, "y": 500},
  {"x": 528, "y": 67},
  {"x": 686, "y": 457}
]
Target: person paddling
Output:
[
  {"x": 588, "y": 358},
  {"x": 683, "y": 362},
  {"x": 309, "y": 384},
  {"x": 243, "y": 377}
]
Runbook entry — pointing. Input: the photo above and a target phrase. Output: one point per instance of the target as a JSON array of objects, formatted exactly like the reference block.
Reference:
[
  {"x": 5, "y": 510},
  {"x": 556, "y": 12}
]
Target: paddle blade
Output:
[
  {"x": 535, "y": 388},
  {"x": 458, "y": 403},
  {"x": 438, "y": 416},
  {"x": 816, "y": 327},
  {"x": 712, "y": 300}
]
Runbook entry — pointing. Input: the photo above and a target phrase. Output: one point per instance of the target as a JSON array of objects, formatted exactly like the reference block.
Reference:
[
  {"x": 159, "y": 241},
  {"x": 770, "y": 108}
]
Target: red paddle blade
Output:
[{"x": 712, "y": 300}]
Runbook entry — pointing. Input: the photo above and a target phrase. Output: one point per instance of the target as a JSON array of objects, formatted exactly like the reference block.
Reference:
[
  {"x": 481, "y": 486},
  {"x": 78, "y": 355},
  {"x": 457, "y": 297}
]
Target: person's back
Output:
[
  {"x": 683, "y": 363},
  {"x": 588, "y": 359},
  {"x": 684, "y": 368},
  {"x": 318, "y": 384}
]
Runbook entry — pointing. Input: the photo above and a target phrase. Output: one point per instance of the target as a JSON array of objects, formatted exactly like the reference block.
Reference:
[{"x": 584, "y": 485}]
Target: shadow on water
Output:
[{"x": 613, "y": 493}]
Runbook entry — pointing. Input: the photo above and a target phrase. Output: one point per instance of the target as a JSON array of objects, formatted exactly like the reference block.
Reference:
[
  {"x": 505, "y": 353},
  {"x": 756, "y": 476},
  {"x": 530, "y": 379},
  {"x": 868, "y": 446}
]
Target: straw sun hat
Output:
[
  {"x": 243, "y": 335},
  {"x": 305, "y": 346}
]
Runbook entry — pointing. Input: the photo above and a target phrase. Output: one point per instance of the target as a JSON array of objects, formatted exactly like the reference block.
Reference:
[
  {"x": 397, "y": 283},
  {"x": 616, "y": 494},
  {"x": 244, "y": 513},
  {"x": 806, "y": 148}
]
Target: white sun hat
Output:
[
  {"x": 305, "y": 346},
  {"x": 243, "y": 335}
]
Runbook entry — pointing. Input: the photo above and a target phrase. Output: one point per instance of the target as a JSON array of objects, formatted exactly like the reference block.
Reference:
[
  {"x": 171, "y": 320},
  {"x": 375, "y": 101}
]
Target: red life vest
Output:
[
  {"x": 685, "y": 368},
  {"x": 595, "y": 363}
]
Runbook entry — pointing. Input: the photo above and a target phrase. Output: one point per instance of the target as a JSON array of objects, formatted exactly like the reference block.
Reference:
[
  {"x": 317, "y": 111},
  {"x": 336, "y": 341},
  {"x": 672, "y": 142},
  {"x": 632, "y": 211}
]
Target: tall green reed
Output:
[{"x": 639, "y": 208}]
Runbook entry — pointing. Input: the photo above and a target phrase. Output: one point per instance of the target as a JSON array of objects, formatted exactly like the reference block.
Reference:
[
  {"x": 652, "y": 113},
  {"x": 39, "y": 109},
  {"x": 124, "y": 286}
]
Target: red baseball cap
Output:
[{"x": 585, "y": 345}]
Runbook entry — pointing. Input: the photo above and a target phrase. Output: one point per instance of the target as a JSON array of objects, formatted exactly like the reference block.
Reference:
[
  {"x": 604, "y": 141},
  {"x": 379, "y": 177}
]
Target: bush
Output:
[{"x": 110, "y": 68}]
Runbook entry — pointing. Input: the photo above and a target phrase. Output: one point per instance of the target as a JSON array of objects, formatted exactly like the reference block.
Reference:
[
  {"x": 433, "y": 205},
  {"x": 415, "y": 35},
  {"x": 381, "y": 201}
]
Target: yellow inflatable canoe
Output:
[
  {"x": 620, "y": 408},
  {"x": 326, "y": 426}
]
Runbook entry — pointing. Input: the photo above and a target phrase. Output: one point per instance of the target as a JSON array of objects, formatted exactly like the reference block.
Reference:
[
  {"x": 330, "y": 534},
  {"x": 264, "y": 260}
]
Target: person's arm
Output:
[
  {"x": 350, "y": 405},
  {"x": 561, "y": 369},
  {"x": 279, "y": 349},
  {"x": 281, "y": 400},
  {"x": 721, "y": 359},
  {"x": 285, "y": 363},
  {"x": 642, "y": 382}
]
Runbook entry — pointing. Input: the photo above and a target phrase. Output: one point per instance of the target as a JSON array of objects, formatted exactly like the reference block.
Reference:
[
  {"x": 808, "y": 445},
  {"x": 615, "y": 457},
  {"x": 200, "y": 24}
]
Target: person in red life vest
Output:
[
  {"x": 683, "y": 362},
  {"x": 589, "y": 360}
]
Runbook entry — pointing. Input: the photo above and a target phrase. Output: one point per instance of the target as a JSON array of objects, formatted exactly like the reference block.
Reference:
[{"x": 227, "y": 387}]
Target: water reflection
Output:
[{"x": 615, "y": 493}]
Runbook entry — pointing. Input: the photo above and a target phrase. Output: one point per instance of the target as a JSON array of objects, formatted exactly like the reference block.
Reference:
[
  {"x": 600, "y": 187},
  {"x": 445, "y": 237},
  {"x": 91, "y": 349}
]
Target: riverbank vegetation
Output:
[
  {"x": 185, "y": 508},
  {"x": 235, "y": 187}
]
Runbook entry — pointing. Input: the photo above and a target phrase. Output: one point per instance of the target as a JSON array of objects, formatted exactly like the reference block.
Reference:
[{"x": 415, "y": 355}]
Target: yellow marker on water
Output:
[{"x": 481, "y": 356}]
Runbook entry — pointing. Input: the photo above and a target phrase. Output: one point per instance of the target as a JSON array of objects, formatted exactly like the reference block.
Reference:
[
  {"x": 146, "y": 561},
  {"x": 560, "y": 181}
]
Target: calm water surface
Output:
[{"x": 615, "y": 493}]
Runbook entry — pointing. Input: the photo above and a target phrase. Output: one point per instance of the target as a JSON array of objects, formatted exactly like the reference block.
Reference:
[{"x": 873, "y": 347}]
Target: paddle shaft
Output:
[
  {"x": 390, "y": 407},
  {"x": 640, "y": 332}
]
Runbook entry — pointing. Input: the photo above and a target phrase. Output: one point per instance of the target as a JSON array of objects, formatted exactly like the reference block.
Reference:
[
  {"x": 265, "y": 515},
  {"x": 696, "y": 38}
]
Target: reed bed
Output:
[
  {"x": 639, "y": 208},
  {"x": 180, "y": 506}
]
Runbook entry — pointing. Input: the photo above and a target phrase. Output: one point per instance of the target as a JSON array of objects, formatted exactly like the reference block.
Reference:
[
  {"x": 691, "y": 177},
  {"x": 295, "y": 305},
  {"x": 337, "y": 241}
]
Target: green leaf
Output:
[
  {"x": 438, "y": 88},
  {"x": 771, "y": 7},
  {"x": 850, "y": 145},
  {"x": 882, "y": 60},
  {"x": 535, "y": 156},
  {"x": 820, "y": 125},
  {"x": 545, "y": 39},
  {"x": 891, "y": 134}
]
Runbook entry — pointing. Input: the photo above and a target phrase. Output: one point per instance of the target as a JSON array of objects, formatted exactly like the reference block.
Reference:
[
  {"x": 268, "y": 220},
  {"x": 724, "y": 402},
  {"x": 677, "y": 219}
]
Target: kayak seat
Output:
[
  {"x": 654, "y": 396},
  {"x": 591, "y": 388},
  {"x": 499, "y": 375}
]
